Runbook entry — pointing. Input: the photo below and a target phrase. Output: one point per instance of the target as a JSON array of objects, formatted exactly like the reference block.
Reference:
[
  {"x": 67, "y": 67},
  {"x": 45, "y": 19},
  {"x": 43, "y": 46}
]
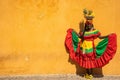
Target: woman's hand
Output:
[
  {"x": 81, "y": 26},
  {"x": 111, "y": 33}
]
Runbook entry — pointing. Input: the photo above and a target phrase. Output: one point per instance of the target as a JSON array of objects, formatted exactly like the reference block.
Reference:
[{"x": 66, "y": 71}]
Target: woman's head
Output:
[
  {"x": 88, "y": 25},
  {"x": 88, "y": 15}
]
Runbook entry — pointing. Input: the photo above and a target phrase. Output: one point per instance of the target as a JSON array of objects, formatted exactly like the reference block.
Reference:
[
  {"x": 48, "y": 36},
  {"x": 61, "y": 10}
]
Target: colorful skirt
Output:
[{"x": 103, "y": 52}]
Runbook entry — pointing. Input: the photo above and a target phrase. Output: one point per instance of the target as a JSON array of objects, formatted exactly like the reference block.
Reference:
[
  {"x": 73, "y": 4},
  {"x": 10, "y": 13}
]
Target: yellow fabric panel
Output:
[{"x": 87, "y": 44}]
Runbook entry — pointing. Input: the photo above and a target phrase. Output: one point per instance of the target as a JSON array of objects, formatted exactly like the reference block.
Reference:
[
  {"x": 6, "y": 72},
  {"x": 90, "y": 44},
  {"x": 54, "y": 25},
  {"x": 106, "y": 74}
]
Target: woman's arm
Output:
[
  {"x": 102, "y": 37},
  {"x": 81, "y": 28}
]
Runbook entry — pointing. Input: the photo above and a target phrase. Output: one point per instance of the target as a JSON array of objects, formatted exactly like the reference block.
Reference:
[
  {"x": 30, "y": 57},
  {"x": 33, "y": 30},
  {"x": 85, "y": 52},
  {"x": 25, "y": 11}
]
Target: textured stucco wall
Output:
[{"x": 32, "y": 34}]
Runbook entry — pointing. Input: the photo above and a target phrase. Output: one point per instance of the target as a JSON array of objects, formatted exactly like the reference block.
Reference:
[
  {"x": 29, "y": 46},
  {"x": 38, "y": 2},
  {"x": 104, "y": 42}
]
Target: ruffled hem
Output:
[
  {"x": 109, "y": 52},
  {"x": 84, "y": 60},
  {"x": 69, "y": 46}
]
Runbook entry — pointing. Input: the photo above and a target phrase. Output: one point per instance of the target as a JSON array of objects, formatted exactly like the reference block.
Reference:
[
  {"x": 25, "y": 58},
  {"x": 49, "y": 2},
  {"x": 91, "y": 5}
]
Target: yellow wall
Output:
[{"x": 32, "y": 33}]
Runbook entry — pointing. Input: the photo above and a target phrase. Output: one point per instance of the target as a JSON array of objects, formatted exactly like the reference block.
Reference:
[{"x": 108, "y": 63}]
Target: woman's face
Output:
[
  {"x": 88, "y": 27},
  {"x": 90, "y": 21}
]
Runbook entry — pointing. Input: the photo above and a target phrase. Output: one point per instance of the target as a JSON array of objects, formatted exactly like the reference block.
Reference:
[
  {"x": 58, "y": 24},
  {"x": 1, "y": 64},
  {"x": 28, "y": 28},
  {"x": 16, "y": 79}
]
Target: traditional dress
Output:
[{"x": 85, "y": 53}]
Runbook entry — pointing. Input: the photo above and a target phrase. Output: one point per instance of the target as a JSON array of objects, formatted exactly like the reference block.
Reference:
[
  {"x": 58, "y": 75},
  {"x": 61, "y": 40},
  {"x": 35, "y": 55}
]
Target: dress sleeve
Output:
[{"x": 96, "y": 34}]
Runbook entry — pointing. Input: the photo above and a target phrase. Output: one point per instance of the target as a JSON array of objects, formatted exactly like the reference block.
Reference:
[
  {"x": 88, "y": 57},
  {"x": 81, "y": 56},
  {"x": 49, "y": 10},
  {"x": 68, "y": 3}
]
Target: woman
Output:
[{"x": 84, "y": 51}]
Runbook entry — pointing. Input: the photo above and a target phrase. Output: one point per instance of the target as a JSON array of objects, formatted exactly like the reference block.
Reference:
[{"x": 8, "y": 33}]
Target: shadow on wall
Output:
[{"x": 97, "y": 72}]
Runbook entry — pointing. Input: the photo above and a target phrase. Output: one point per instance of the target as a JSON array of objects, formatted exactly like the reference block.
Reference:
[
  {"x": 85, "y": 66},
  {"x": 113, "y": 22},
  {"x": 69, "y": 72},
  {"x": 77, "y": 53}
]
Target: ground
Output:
[{"x": 56, "y": 77}]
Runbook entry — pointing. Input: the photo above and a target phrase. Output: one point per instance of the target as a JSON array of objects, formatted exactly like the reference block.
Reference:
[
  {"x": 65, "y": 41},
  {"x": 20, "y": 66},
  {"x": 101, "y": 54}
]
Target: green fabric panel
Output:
[
  {"x": 75, "y": 40},
  {"x": 88, "y": 50},
  {"x": 101, "y": 47}
]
